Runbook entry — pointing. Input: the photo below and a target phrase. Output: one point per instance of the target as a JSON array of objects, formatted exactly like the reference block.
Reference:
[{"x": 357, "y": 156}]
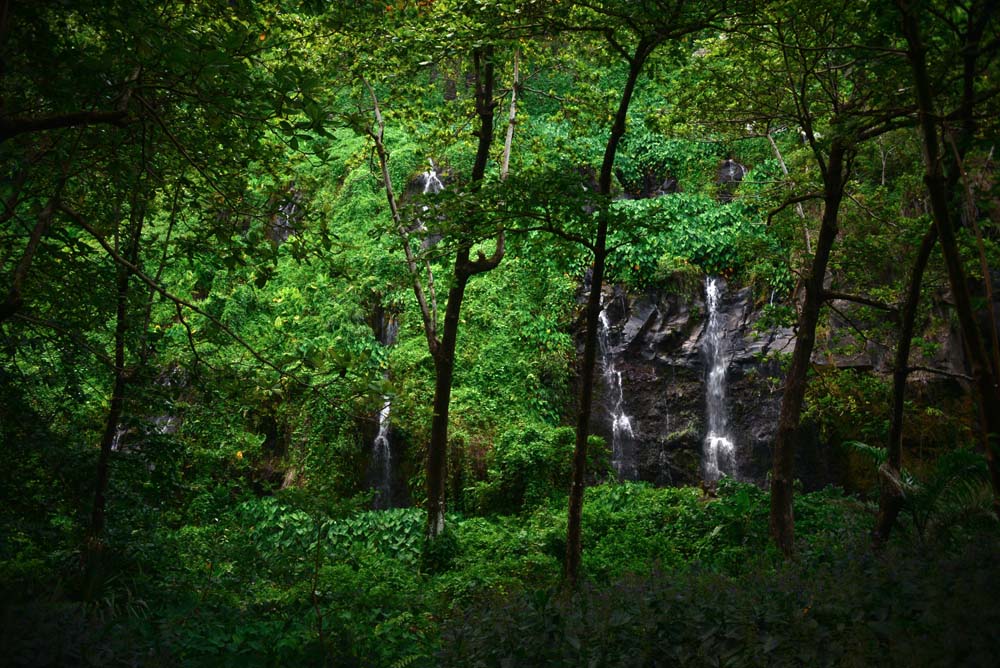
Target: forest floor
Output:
[{"x": 672, "y": 577}]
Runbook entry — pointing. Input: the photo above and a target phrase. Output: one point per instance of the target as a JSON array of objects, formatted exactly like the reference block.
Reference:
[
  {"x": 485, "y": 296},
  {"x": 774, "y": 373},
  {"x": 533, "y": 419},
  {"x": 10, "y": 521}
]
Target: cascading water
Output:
[
  {"x": 116, "y": 441},
  {"x": 432, "y": 184},
  {"x": 719, "y": 452},
  {"x": 622, "y": 435},
  {"x": 381, "y": 459}
]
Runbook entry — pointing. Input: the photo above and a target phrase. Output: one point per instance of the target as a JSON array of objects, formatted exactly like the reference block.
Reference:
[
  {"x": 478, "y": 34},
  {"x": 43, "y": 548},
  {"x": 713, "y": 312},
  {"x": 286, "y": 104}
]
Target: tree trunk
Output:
[
  {"x": 96, "y": 530},
  {"x": 93, "y": 548},
  {"x": 12, "y": 303},
  {"x": 444, "y": 367},
  {"x": 940, "y": 191},
  {"x": 890, "y": 496},
  {"x": 782, "y": 520},
  {"x": 575, "y": 515},
  {"x": 444, "y": 352},
  {"x": 573, "y": 524}
]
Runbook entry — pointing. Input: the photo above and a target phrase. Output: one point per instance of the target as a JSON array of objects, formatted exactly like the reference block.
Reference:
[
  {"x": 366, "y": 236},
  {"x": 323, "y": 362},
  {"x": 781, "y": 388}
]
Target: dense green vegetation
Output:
[
  {"x": 220, "y": 260},
  {"x": 671, "y": 576}
]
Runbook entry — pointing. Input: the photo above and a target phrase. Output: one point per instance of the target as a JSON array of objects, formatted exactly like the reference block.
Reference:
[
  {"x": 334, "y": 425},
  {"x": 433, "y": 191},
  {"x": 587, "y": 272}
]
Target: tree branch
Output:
[
  {"x": 829, "y": 295},
  {"x": 850, "y": 322},
  {"x": 793, "y": 200},
  {"x": 562, "y": 234},
  {"x": 377, "y": 135},
  {"x": 183, "y": 151},
  {"x": 798, "y": 205},
  {"x": 941, "y": 372},
  {"x": 12, "y": 303},
  {"x": 70, "y": 334},
  {"x": 12, "y": 127}
]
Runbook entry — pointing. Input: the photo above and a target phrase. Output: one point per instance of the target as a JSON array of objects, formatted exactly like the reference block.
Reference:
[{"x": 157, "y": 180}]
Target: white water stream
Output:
[
  {"x": 622, "y": 435},
  {"x": 719, "y": 449},
  {"x": 381, "y": 458}
]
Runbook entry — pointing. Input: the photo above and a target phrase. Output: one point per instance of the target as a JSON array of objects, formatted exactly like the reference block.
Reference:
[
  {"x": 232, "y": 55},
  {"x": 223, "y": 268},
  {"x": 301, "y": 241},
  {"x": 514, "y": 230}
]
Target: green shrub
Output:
[
  {"x": 528, "y": 464},
  {"x": 653, "y": 235}
]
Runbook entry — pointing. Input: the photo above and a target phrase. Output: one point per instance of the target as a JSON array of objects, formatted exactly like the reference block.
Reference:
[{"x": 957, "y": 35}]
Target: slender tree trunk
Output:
[
  {"x": 798, "y": 205},
  {"x": 12, "y": 303},
  {"x": 890, "y": 496},
  {"x": 444, "y": 366},
  {"x": 444, "y": 353},
  {"x": 575, "y": 515},
  {"x": 485, "y": 109},
  {"x": 782, "y": 520},
  {"x": 939, "y": 189},
  {"x": 573, "y": 525},
  {"x": 93, "y": 549},
  {"x": 96, "y": 531},
  {"x": 443, "y": 349}
]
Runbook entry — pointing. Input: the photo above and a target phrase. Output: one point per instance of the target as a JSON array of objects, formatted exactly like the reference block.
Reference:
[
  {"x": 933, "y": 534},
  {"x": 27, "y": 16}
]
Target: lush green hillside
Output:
[{"x": 265, "y": 266}]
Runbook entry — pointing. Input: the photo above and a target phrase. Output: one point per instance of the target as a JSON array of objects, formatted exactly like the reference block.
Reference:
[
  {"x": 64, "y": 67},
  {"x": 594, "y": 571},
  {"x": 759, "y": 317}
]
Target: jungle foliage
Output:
[{"x": 207, "y": 300}]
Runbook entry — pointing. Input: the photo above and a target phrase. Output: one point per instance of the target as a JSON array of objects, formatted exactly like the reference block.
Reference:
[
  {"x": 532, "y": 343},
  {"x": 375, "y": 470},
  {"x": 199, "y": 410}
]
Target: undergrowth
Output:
[{"x": 672, "y": 577}]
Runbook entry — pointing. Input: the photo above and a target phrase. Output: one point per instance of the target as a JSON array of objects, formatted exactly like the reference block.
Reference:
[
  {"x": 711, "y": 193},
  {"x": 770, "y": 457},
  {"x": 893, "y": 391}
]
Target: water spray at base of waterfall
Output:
[
  {"x": 719, "y": 457},
  {"x": 719, "y": 452}
]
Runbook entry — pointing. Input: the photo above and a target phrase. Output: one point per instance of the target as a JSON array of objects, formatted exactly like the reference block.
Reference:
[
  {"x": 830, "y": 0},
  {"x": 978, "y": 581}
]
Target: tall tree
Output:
[
  {"x": 633, "y": 32},
  {"x": 951, "y": 96},
  {"x": 890, "y": 492},
  {"x": 814, "y": 46},
  {"x": 813, "y": 71},
  {"x": 442, "y": 340},
  {"x": 107, "y": 121}
]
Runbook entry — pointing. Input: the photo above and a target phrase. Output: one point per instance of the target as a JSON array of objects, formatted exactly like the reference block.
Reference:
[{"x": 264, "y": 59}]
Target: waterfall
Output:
[
  {"x": 381, "y": 458},
  {"x": 622, "y": 436},
  {"x": 719, "y": 448},
  {"x": 432, "y": 184},
  {"x": 116, "y": 441}
]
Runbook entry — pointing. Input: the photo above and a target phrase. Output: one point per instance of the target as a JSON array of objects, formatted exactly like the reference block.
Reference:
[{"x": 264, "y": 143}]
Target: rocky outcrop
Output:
[{"x": 655, "y": 338}]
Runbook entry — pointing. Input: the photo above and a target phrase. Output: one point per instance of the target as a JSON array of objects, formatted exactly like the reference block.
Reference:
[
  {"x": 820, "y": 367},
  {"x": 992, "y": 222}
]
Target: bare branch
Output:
[
  {"x": 14, "y": 299},
  {"x": 830, "y": 295},
  {"x": 793, "y": 200},
  {"x": 377, "y": 134},
  {"x": 860, "y": 332},
  {"x": 555, "y": 231},
  {"x": 183, "y": 151},
  {"x": 483, "y": 264},
  {"x": 940, "y": 372},
  {"x": 189, "y": 332},
  {"x": 71, "y": 334},
  {"x": 798, "y": 205}
]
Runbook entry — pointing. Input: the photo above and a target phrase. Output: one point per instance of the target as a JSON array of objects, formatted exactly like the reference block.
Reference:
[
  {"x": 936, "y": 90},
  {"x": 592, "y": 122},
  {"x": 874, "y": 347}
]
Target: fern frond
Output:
[
  {"x": 408, "y": 661},
  {"x": 875, "y": 454}
]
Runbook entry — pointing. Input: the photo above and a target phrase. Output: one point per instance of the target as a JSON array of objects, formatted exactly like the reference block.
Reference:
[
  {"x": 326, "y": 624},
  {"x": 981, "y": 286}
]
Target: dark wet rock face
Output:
[
  {"x": 656, "y": 342},
  {"x": 728, "y": 178}
]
